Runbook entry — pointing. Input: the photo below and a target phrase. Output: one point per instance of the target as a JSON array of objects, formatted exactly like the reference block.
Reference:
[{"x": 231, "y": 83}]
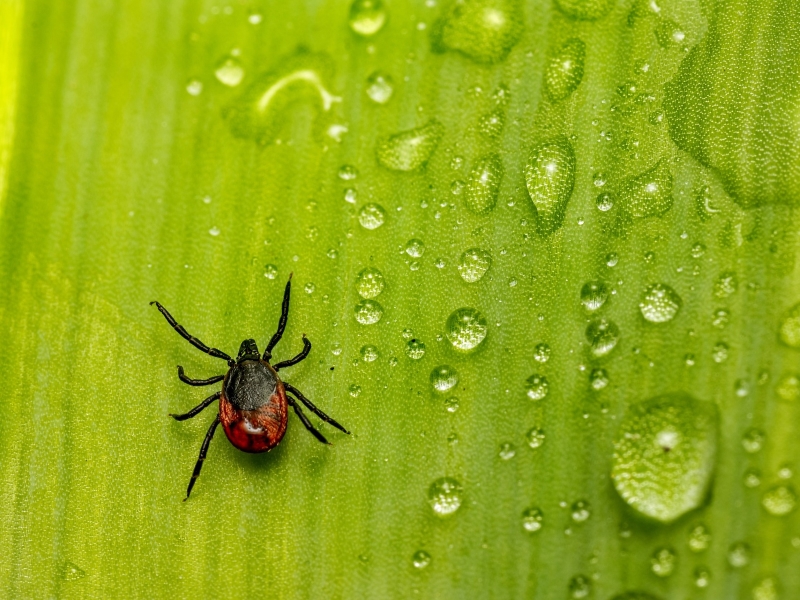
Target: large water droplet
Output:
[
  {"x": 368, "y": 312},
  {"x": 483, "y": 184},
  {"x": 565, "y": 69},
  {"x": 789, "y": 331},
  {"x": 665, "y": 454},
  {"x": 648, "y": 194},
  {"x": 483, "y": 30},
  {"x": 585, "y": 10},
  {"x": 536, "y": 387},
  {"x": 380, "y": 87},
  {"x": 659, "y": 303},
  {"x": 603, "y": 336},
  {"x": 550, "y": 177},
  {"x": 779, "y": 500},
  {"x": 466, "y": 329},
  {"x": 409, "y": 150},
  {"x": 369, "y": 282},
  {"x": 229, "y": 71},
  {"x": 444, "y": 378},
  {"x": 367, "y": 16},
  {"x": 593, "y": 295},
  {"x": 662, "y": 563},
  {"x": 444, "y": 496},
  {"x": 371, "y": 216},
  {"x": 473, "y": 264},
  {"x": 532, "y": 519}
]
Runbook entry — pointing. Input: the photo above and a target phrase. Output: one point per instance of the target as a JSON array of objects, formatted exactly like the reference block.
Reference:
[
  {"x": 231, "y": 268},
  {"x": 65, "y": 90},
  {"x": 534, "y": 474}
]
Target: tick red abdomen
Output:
[{"x": 256, "y": 430}]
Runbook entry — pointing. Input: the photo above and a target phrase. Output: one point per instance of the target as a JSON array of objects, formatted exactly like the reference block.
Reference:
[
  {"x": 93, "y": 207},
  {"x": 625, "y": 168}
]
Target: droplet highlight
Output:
[
  {"x": 564, "y": 70},
  {"x": 550, "y": 178}
]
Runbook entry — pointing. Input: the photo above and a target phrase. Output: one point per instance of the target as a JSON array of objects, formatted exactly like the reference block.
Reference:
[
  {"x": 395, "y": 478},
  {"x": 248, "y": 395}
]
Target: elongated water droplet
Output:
[
  {"x": 368, "y": 312},
  {"x": 369, "y": 283},
  {"x": 648, "y": 194},
  {"x": 584, "y": 10},
  {"x": 603, "y": 336},
  {"x": 483, "y": 184},
  {"x": 659, "y": 303},
  {"x": 444, "y": 378},
  {"x": 665, "y": 454},
  {"x": 444, "y": 496},
  {"x": 789, "y": 332},
  {"x": 483, "y": 30},
  {"x": 593, "y": 295},
  {"x": 779, "y": 500},
  {"x": 229, "y": 71},
  {"x": 367, "y": 16},
  {"x": 466, "y": 329},
  {"x": 371, "y": 216},
  {"x": 409, "y": 150},
  {"x": 473, "y": 264},
  {"x": 532, "y": 519},
  {"x": 536, "y": 387},
  {"x": 565, "y": 69},
  {"x": 380, "y": 87},
  {"x": 550, "y": 177}
]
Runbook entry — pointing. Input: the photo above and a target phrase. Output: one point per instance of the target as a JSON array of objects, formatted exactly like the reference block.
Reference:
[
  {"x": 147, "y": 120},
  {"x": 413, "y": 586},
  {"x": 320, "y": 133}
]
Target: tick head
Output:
[{"x": 248, "y": 351}]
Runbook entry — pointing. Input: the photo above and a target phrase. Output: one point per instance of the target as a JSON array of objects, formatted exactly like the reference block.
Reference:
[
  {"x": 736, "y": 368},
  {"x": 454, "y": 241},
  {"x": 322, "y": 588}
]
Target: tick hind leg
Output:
[
  {"x": 197, "y": 409},
  {"x": 305, "y": 421},
  {"x": 203, "y": 451},
  {"x": 310, "y": 405},
  {"x": 197, "y": 382},
  {"x": 293, "y": 361},
  {"x": 190, "y": 338},
  {"x": 282, "y": 323}
]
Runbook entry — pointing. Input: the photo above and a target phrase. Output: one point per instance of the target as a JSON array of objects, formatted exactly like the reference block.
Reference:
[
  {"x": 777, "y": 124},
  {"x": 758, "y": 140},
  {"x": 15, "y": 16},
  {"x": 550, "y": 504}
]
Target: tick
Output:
[{"x": 253, "y": 399}]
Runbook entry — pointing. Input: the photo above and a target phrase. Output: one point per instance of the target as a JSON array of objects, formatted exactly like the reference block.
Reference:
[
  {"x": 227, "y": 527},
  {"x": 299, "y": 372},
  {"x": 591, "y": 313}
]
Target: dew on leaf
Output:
[
  {"x": 369, "y": 353},
  {"x": 380, "y": 87},
  {"x": 194, "y": 87},
  {"x": 420, "y": 559},
  {"x": 721, "y": 318},
  {"x": 766, "y": 589},
  {"x": 726, "y": 284},
  {"x": 483, "y": 184},
  {"x": 535, "y": 437},
  {"x": 270, "y": 271},
  {"x": 541, "y": 353},
  {"x": 663, "y": 562},
  {"x": 753, "y": 440},
  {"x": 752, "y": 478},
  {"x": 593, "y": 295},
  {"x": 444, "y": 496},
  {"x": 507, "y": 451},
  {"x": 370, "y": 282},
  {"x": 648, "y": 194},
  {"x": 347, "y": 172},
  {"x": 368, "y": 312},
  {"x": 411, "y": 149},
  {"x": 659, "y": 303},
  {"x": 483, "y": 30},
  {"x": 473, "y": 264},
  {"x": 71, "y": 572},
  {"x": 415, "y": 349},
  {"x": 580, "y": 586},
  {"x": 669, "y": 33},
  {"x": 598, "y": 379},
  {"x": 604, "y": 202},
  {"x": 739, "y": 555},
  {"x": 466, "y": 329},
  {"x": 564, "y": 70},
  {"x": 371, "y": 216},
  {"x": 532, "y": 519},
  {"x": 720, "y": 352},
  {"x": 550, "y": 178},
  {"x": 788, "y": 388},
  {"x": 491, "y": 124},
  {"x": 451, "y": 404},
  {"x": 229, "y": 71},
  {"x": 699, "y": 538},
  {"x": 537, "y": 387},
  {"x": 603, "y": 336},
  {"x": 702, "y": 577},
  {"x": 789, "y": 332},
  {"x": 580, "y": 511},
  {"x": 444, "y": 378},
  {"x": 779, "y": 500},
  {"x": 415, "y": 248},
  {"x": 367, "y": 17}
]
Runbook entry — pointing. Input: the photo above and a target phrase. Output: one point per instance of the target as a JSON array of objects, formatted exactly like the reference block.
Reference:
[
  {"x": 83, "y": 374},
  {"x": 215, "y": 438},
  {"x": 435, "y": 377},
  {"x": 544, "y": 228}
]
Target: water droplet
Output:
[
  {"x": 409, "y": 150},
  {"x": 270, "y": 271},
  {"x": 739, "y": 555},
  {"x": 194, "y": 87},
  {"x": 603, "y": 335},
  {"x": 565, "y": 69},
  {"x": 368, "y": 312},
  {"x": 444, "y": 378},
  {"x": 507, "y": 451},
  {"x": 536, "y": 387},
  {"x": 752, "y": 478},
  {"x": 415, "y": 248},
  {"x": 788, "y": 388},
  {"x": 580, "y": 511},
  {"x": 699, "y": 538},
  {"x": 612, "y": 259},
  {"x": 665, "y": 454},
  {"x": 71, "y": 572},
  {"x": 473, "y": 264},
  {"x": 586, "y": 10},
  {"x": 348, "y": 172},
  {"x": 370, "y": 282},
  {"x": 659, "y": 303},
  {"x": 726, "y": 284},
  {"x": 367, "y": 16},
  {"x": 309, "y": 287},
  {"x": 779, "y": 500},
  {"x": 451, "y": 404},
  {"x": 532, "y": 519},
  {"x": 254, "y": 19},
  {"x": 444, "y": 496},
  {"x": 541, "y": 353},
  {"x": 229, "y": 71},
  {"x": 466, "y": 329},
  {"x": 648, "y": 194},
  {"x": 354, "y": 390},
  {"x": 766, "y": 589},
  {"x": 421, "y": 559},
  {"x": 369, "y": 353},
  {"x": 415, "y": 349},
  {"x": 702, "y": 577},
  {"x": 753, "y": 440},
  {"x": 371, "y": 216},
  {"x": 491, "y": 124},
  {"x": 662, "y": 563},
  {"x": 721, "y": 318},
  {"x": 483, "y": 30},
  {"x": 550, "y": 177},
  {"x": 668, "y": 33},
  {"x": 598, "y": 379},
  {"x": 535, "y": 437},
  {"x": 720, "y": 352},
  {"x": 580, "y": 586},
  {"x": 593, "y": 295},
  {"x": 483, "y": 184},
  {"x": 380, "y": 87},
  {"x": 604, "y": 202},
  {"x": 789, "y": 332}
]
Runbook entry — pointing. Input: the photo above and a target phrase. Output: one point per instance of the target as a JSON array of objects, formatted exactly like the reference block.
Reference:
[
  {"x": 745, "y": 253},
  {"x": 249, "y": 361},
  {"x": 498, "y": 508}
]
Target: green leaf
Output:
[{"x": 529, "y": 242}]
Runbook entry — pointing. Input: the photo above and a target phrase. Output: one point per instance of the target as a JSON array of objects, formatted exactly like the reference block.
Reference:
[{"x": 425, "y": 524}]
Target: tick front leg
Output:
[
  {"x": 203, "y": 451},
  {"x": 282, "y": 322},
  {"x": 310, "y": 405},
  {"x": 306, "y": 422},
  {"x": 190, "y": 338},
  {"x": 197, "y": 409},
  {"x": 293, "y": 361},
  {"x": 197, "y": 382}
]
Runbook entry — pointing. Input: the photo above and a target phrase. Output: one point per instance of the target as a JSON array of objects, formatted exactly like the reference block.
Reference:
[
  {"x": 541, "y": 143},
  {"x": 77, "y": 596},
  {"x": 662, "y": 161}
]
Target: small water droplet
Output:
[
  {"x": 451, "y": 404},
  {"x": 604, "y": 202},
  {"x": 564, "y": 70},
  {"x": 766, "y": 589},
  {"x": 270, "y": 271},
  {"x": 491, "y": 124},
  {"x": 194, "y": 87},
  {"x": 593, "y": 295},
  {"x": 370, "y": 282},
  {"x": 669, "y": 33},
  {"x": 788, "y": 388},
  {"x": 483, "y": 184},
  {"x": 752, "y": 478},
  {"x": 532, "y": 519},
  {"x": 348, "y": 172},
  {"x": 444, "y": 496},
  {"x": 541, "y": 353},
  {"x": 369, "y": 353},
  {"x": 698, "y": 250},
  {"x": 473, "y": 264},
  {"x": 721, "y": 318},
  {"x": 535, "y": 437},
  {"x": 409, "y": 150},
  {"x": 71, "y": 572},
  {"x": 753, "y": 440},
  {"x": 720, "y": 352},
  {"x": 659, "y": 303},
  {"x": 779, "y": 500},
  {"x": 611, "y": 259},
  {"x": 444, "y": 378},
  {"x": 507, "y": 451},
  {"x": 309, "y": 287},
  {"x": 415, "y": 349},
  {"x": 598, "y": 379},
  {"x": 536, "y": 387},
  {"x": 726, "y": 284},
  {"x": 580, "y": 586},
  {"x": 380, "y": 87},
  {"x": 789, "y": 332},
  {"x": 421, "y": 559},
  {"x": 603, "y": 336},
  {"x": 739, "y": 555},
  {"x": 354, "y": 390},
  {"x": 466, "y": 329},
  {"x": 580, "y": 511},
  {"x": 550, "y": 178},
  {"x": 368, "y": 312},
  {"x": 415, "y": 248},
  {"x": 663, "y": 561},
  {"x": 702, "y": 577},
  {"x": 229, "y": 71},
  {"x": 367, "y": 16},
  {"x": 371, "y": 216},
  {"x": 699, "y": 538}
]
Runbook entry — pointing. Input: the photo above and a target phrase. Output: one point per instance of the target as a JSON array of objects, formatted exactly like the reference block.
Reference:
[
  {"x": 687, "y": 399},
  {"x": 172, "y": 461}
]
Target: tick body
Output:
[{"x": 253, "y": 401}]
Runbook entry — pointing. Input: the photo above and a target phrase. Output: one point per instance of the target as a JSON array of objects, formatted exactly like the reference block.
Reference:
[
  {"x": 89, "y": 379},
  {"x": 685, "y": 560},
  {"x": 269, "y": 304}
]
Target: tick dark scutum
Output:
[{"x": 253, "y": 401}]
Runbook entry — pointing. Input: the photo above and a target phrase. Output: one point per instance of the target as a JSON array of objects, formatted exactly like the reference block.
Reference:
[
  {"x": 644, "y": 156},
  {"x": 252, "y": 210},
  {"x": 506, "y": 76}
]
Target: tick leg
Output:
[
  {"x": 306, "y": 422},
  {"x": 293, "y": 361},
  {"x": 197, "y": 409},
  {"x": 282, "y": 323},
  {"x": 310, "y": 405},
  {"x": 182, "y": 376},
  {"x": 190, "y": 338},
  {"x": 203, "y": 451}
]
